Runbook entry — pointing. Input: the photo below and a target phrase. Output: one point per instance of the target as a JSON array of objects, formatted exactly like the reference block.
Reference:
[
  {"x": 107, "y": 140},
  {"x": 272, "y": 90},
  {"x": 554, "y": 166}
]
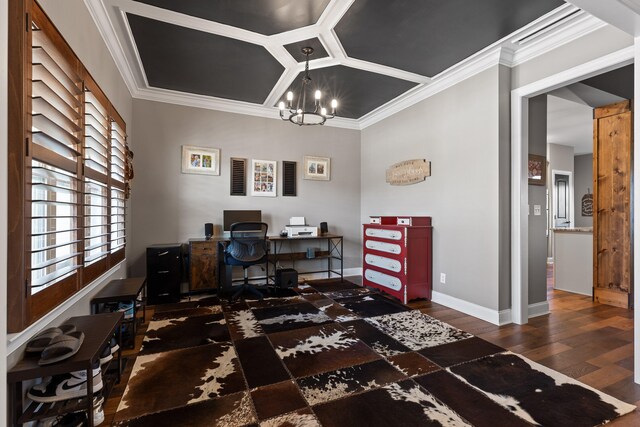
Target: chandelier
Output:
[{"x": 316, "y": 114}]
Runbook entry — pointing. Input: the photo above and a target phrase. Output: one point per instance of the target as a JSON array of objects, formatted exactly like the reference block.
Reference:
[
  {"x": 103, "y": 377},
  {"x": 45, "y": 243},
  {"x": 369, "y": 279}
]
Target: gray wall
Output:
[
  {"x": 537, "y": 196},
  {"x": 560, "y": 158},
  {"x": 173, "y": 207},
  {"x": 504, "y": 219},
  {"x": 458, "y": 131},
  {"x": 583, "y": 183}
]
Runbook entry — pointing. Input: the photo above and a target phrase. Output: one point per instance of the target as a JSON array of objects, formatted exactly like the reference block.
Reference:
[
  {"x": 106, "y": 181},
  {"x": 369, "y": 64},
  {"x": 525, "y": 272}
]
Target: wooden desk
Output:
[
  {"x": 333, "y": 252},
  {"x": 98, "y": 330}
]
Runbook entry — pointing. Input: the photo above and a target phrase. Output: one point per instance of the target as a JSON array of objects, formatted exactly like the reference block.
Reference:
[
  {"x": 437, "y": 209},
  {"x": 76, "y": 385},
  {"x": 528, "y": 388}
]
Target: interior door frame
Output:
[
  {"x": 519, "y": 156},
  {"x": 572, "y": 218}
]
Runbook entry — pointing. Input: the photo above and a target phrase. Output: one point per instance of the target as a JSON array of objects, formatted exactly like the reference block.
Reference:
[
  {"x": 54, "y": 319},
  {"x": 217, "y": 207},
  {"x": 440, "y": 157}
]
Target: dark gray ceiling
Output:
[
  {"x": 352, "y": 87},
  {"x": 261, "y": 16},
  {"x": 428, "y": 36},
  {"x": 186, "y": 60},
  {"x": 422, "y": 37}
]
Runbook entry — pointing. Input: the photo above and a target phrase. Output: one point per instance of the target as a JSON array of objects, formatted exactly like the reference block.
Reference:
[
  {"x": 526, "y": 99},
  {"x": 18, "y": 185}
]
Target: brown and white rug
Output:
[{"x": 337, "y": 354}]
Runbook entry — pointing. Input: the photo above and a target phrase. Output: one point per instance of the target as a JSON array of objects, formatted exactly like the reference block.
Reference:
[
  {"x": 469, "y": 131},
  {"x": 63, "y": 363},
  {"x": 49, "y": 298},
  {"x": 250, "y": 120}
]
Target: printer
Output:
[{"x": 298, "y": 228}]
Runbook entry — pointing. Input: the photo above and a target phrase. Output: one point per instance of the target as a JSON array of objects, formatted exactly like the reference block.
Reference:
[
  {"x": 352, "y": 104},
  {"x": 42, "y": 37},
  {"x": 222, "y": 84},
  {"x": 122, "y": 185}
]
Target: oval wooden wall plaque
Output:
[{"x": 409, "y": 172}]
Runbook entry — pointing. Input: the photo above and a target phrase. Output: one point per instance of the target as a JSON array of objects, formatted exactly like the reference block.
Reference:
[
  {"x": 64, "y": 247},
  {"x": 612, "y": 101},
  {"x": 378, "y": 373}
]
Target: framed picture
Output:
[
  {"x": 264, "y": 176},
  {"x": 200, "y": 160},
  {"x": 317, "y": 168},
  {"x": 537, "y": 169}
]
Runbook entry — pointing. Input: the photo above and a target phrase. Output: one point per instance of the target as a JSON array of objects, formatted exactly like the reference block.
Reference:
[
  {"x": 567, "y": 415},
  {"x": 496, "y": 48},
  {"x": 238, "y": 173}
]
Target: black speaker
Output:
[
  {"x": 208, "y": 230},
  {"x": 324, "y": 228}
]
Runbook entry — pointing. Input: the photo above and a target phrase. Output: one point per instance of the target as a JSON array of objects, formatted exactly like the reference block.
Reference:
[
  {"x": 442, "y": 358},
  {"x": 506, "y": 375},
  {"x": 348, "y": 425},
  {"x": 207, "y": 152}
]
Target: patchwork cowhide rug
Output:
[{"x": 337, "y": 354}]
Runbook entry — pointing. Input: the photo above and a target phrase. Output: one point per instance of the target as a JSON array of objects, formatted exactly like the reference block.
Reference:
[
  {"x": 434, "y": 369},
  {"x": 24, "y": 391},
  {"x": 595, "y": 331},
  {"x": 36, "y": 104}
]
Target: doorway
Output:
[
  {"x": 519, "y": 194},
  {"x": 519, "y": 153}
]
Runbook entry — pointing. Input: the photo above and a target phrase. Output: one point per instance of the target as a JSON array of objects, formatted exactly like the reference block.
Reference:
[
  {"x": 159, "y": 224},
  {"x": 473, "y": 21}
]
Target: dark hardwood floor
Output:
[
  {"x": 590, "y": 342},
  {"x": 584, "y": 340}
]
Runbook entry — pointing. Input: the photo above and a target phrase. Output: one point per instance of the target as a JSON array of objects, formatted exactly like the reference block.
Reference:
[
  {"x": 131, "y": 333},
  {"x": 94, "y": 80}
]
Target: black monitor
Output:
[{"x": 230, "y": 217}]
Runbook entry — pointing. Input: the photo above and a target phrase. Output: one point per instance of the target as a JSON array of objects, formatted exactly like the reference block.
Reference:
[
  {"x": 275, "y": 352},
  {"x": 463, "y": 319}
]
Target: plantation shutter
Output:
[
  {"x": 118, "y": 160},
  {"x": 67, "y": 209},
  {"x": 53, "y": 230},
  {"x": 96, "y": 179}
]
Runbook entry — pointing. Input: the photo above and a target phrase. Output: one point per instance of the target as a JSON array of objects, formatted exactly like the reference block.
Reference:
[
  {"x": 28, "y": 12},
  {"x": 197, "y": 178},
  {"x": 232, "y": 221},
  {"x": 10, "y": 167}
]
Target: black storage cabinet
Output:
[{"x": 164, "y": 273}]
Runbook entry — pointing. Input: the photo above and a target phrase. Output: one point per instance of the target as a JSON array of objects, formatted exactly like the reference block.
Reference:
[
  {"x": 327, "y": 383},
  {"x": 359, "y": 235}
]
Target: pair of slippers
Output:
[{"x": 56, "y": 344}]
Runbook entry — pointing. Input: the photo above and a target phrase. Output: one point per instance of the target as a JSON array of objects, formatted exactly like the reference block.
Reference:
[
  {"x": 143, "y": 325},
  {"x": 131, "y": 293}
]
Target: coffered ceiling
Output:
[{"x": 375, "y": 56}]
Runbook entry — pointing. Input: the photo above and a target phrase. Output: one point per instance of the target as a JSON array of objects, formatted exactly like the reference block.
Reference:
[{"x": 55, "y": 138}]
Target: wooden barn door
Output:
[{"x": 612, "y": 230}]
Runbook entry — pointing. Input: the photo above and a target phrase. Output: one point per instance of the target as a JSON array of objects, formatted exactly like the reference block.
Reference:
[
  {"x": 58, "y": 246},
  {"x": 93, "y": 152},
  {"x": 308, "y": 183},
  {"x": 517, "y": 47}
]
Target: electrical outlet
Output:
[{"x": 443, "y": 278}]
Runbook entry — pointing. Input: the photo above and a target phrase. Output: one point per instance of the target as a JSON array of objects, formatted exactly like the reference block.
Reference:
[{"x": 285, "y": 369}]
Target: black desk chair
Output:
[{"x": 247, "y": 246}]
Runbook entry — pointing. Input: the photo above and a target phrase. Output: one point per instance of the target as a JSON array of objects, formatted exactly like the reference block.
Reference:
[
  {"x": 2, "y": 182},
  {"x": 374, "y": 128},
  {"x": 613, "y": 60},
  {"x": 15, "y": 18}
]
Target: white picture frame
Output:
[
  {"x": 200, "y": 160},
  {"x": 317, "y": 168},
  {"x": 264, "y": 178}
]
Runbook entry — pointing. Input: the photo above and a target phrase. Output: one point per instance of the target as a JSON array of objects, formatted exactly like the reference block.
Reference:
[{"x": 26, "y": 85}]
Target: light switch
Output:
[{"x": 537, "y": 210}]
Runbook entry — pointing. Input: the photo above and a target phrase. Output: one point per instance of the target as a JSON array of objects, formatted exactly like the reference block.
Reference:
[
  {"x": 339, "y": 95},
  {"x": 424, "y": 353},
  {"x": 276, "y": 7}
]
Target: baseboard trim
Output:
[
  {"x": 499, "y": 318},
  {"x": 538, "y": 309},
  {"x": 466, "y": 307}
]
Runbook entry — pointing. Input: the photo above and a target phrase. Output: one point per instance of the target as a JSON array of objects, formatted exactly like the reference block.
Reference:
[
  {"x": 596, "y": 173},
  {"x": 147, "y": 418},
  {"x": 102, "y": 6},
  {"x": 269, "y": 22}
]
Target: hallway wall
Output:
[{"x": 583, "y": 182}]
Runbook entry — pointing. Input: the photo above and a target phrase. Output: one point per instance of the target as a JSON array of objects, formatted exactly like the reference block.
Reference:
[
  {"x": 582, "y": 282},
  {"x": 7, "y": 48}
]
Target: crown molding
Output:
[
  {"x": 445, "y": 80},
  {"x": 139, "y": 73},
  {"x": 229, "y": 106},
  {"x": 100, "y": 15},
  {"x": 506, "y": 56}
]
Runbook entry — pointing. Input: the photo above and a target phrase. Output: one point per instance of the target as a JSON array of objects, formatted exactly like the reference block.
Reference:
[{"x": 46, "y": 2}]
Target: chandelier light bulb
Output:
[
  {"x": 334, "y": 104},
  {"x": 281, "y": 105},
  {"x": 323, "y": 111},
  {"x": 318, "y": 94},
  {"x": 289, "y": 96}
]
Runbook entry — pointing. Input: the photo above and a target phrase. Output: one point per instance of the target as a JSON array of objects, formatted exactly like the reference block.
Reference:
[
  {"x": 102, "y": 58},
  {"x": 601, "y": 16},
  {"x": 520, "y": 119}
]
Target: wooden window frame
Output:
[{"x": 25, "y": 307}]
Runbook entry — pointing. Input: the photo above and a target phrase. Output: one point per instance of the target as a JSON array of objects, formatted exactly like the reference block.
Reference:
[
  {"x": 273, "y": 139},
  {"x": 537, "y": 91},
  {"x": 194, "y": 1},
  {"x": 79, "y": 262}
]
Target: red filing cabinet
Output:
[{"x": 397, "y": 256}]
